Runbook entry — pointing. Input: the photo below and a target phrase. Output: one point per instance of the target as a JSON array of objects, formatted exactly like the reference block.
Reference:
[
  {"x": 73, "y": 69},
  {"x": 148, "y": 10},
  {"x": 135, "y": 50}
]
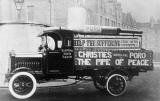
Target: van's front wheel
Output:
[{"x": 22, "y": 85}]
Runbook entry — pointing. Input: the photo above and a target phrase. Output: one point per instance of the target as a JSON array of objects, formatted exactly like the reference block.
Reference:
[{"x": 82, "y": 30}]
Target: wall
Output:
[
  {"x": 55, "y": 12},
  {"x": 151, "y": 42},
  {"x": 77, "y": 17}
]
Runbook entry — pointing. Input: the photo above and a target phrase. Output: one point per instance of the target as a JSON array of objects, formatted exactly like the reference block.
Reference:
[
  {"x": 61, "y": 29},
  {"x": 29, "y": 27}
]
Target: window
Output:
[
  {"x": 112, "y": 23},
  {"x": 88, "y": 20},
  {"x": 106, "y": 22},
  {"x": 51, "y": 43},
  {"x": 101, "y": 20},
  {"x": 119, "y": 25},
  {"x": 68, "y": 42},
  {"x": 30, "y": 13},
  {"x": 101, "y": 4}
]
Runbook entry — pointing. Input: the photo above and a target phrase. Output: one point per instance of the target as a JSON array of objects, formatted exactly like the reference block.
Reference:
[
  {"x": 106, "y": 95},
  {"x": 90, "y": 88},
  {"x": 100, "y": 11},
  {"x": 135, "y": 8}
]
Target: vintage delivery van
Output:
[{"x": 110, "y": 56}]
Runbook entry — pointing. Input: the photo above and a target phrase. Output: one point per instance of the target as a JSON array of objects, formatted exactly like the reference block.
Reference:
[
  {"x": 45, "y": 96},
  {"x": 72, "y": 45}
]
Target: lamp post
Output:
[
  {"x": 19, "y": 4},
  {"x": 50, "y": 11}
]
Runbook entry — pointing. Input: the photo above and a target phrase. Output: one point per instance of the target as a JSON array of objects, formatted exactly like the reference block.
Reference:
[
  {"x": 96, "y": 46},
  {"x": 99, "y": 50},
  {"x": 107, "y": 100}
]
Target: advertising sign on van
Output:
[
  {"x": 112, "y": 58},
  {"x": 107, "y": 42}
]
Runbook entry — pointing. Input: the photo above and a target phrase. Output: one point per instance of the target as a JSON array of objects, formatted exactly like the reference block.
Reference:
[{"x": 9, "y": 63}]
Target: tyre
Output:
[
  {"x": 22, "y": 85},
  {"x": 116, "y": 85},
  {"x": 99, "y": 84}
]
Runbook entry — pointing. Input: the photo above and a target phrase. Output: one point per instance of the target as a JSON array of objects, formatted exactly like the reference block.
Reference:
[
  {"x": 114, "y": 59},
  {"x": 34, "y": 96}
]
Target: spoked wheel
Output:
[
  {"x": 22, "y": 85},
  {"x": 99, "y": 83},
  {"x": 116, "y": 85}
]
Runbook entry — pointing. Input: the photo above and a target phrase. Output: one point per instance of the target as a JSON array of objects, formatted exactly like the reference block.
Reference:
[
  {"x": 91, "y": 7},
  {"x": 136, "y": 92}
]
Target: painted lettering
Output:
[
  {"x": 119, "y": 62},
  {"x": 88, "y": 54},
  {"x": 103, "y": 62},
  {"x": 137, "y": 62},
  {"x": 137, "y": 55},
  {"x": 84, "y": 62}
]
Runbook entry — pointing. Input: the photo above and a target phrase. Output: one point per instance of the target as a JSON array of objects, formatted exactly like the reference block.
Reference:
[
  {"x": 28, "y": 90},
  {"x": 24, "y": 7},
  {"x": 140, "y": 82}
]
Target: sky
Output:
[{"x": 142, "y": 10}]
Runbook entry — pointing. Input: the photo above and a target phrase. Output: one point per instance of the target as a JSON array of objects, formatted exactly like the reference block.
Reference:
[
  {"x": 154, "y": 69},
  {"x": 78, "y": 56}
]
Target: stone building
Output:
[
  {"x": 128, "y": 21},
  {"x": 56, "y": 12}
]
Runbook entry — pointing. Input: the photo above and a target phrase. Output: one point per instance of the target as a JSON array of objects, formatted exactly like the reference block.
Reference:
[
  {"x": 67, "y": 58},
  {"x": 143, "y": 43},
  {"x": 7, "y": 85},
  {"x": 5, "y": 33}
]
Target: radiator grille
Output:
[{"x": 33, "y": 63}]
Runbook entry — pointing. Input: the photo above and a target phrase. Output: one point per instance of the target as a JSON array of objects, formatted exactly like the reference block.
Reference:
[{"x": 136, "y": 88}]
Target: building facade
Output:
[{"x": 56, "y": 13}]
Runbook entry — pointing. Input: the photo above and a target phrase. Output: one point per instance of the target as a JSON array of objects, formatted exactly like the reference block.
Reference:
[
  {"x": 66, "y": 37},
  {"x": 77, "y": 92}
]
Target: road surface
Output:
[{"x": 145, "y": 87}]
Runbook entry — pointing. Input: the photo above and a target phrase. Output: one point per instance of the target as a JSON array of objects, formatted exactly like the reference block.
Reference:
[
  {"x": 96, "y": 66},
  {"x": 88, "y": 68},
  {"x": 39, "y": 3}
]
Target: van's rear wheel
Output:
[
  {"x": 116, "y": 85},
  {"x": 22, "y": 85},
  {"x": 99, "y": 83}
]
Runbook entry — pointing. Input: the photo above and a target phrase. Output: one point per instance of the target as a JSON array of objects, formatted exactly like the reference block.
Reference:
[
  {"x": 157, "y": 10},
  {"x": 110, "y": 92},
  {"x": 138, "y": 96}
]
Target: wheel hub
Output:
[{"x": 22, "y": 85}]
